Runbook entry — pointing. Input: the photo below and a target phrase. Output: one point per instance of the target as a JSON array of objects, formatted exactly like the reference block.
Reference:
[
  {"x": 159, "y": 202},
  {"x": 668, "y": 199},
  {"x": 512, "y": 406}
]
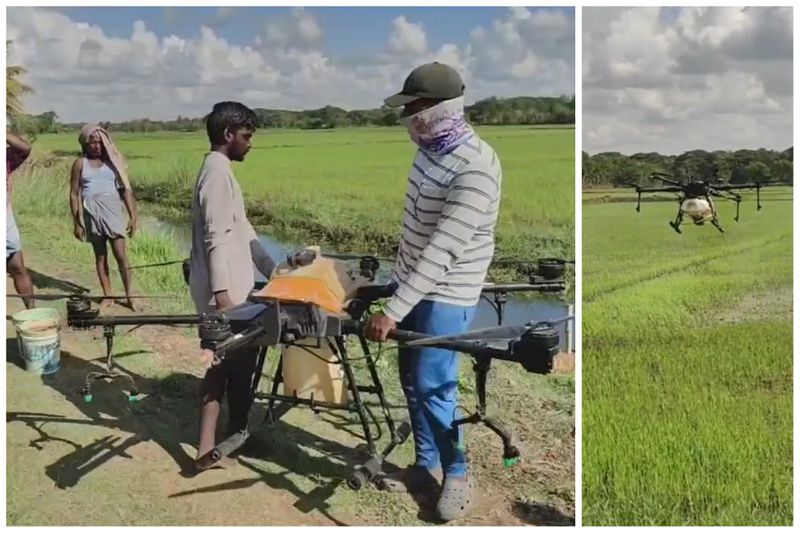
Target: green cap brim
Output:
[{"x": 399, "y": 99}]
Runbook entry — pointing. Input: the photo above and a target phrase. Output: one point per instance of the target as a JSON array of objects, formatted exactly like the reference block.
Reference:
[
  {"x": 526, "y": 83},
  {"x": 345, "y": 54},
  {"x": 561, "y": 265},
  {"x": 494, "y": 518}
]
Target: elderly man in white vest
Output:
[{"x": 451, "y": 208}]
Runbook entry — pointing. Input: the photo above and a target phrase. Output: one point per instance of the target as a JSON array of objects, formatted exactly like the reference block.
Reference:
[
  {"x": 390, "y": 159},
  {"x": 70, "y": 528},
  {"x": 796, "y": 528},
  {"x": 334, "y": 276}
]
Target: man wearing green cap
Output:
[{"x": 451, "y": 209}]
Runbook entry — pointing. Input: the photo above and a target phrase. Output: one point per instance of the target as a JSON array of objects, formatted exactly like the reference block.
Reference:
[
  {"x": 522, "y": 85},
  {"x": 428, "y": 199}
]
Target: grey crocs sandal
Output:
[
  {"x": 412, "y": 479},
  {"x": 456, "y": 498}
]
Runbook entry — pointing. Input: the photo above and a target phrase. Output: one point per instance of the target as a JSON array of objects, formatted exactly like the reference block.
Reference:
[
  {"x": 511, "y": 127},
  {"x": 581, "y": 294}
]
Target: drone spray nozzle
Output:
[{"x": 510, "y": 456}]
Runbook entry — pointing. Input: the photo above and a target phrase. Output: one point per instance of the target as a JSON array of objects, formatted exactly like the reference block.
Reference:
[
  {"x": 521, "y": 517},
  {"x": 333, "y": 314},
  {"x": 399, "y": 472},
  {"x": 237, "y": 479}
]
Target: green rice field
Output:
[
  {"x": 687, "y": 364},
  {"x": 346, "y": 187}
]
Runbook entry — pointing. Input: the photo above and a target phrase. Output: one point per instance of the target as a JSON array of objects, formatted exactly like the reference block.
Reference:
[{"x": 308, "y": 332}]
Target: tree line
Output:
[
  {"x": 613, "y": 169},
  {"x": 490, "y": 111}
]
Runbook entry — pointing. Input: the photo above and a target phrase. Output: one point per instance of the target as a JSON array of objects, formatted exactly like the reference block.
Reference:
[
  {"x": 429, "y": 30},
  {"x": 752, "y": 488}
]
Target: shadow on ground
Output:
[
  {"x": 44, "y": 281},
  {"x": 167, "y": 415},
  {"x": 538, "y": 514}
]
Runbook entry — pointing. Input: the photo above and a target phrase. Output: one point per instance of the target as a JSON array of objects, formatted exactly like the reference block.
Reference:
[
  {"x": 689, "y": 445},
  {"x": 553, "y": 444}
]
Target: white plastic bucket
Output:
[{"x": 39, "y": 340}]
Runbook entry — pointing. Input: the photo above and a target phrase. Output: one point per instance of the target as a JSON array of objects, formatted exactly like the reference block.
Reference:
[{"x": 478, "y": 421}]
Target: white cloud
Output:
[
  {"x": 533, "y": 52},
  {"x": 700, "y": 78},
  {"x": 82, "y": 73},
  {"x": 407, "y": 37}
]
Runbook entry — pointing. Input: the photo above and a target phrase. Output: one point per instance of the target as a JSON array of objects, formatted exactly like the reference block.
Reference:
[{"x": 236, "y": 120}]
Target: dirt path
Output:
[{"x": 110, "y": 462}]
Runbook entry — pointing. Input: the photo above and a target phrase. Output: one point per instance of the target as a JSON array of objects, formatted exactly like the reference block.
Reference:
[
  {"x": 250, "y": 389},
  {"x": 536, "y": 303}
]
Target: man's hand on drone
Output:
[
  {"x": 378, "y": 327},
  {"x": 223, "y": 300}
]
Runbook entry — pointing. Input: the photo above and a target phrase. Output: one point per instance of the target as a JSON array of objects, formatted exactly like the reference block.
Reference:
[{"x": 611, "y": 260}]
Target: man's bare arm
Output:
[
  {"x": 130, "y": 205},
  {"x": 20, "y": 145},
  {"x": 75, "y": 200}
]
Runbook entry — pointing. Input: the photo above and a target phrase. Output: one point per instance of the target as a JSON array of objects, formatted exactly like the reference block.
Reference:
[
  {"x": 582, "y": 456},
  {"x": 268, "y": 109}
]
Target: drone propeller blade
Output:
[
  {"x": 487, "y": 334},
  {"x": 502, "y": 332},
  {"x": 534, "y": 262},
  {"x": 153, "y": 265},
  {"x": 346, "y": 257},
  {"x": 666, "y": 178},
  {"x": 728, "y": 195},
  {"x": 659, "y": 189},
  {"x": 749, "y": 185}
]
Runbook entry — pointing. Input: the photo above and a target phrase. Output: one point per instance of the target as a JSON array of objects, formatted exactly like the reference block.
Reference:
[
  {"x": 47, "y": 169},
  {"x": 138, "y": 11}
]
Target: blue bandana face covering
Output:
[{"x": 441, "y": 128}]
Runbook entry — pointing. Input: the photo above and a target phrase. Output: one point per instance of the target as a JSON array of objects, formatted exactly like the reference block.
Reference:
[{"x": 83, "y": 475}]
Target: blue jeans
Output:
[{"x": 429, "y": 378}]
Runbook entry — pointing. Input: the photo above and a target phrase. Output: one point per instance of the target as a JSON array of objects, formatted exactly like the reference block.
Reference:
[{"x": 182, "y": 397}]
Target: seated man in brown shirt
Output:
[{"x": 224, "y": 249}]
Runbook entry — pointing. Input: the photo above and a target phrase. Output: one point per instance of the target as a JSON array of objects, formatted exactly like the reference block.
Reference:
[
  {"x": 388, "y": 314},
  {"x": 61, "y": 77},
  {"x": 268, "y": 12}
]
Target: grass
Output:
[
  {"x": 345, "y": 188},
  {"x": 539, "y": 408},
  {"x": 687, "y": 367}
]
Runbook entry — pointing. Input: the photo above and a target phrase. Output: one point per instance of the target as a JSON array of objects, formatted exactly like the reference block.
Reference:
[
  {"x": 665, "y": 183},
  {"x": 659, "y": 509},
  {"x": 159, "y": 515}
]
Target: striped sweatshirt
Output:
[{"x": 451, "y": 209}]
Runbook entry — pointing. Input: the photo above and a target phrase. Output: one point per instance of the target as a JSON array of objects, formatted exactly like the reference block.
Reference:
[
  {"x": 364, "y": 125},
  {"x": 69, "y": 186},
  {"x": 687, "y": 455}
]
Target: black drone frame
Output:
[
  {"x": 265, "y": 322},
  {"x": 701, "y": 190}
]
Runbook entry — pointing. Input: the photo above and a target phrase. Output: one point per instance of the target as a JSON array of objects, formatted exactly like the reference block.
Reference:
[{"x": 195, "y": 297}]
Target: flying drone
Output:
[
  {"x": 294, "y": 308},
  {"x": 694, "y": 198}
]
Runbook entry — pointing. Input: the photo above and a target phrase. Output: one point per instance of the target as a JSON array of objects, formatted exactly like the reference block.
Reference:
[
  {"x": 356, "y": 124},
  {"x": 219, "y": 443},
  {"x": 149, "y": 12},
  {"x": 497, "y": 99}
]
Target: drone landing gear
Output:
[
  {"x": 676, "y": 224},
  {"x": 716, "y": 224},
  {"x": 109, "y": 372},
  {"x": 372, "y": 469},
  {"x": 511, "y": 453}
]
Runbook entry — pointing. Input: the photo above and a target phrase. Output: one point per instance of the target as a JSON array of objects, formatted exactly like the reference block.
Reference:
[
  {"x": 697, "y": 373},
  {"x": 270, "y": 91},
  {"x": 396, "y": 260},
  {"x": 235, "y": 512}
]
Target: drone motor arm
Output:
[
  {"x": 534, "y": 350},
  {"x": 640, "y": 190},
  {"x": 757, "y": 186},
  {"x": 239, "y": 340}
]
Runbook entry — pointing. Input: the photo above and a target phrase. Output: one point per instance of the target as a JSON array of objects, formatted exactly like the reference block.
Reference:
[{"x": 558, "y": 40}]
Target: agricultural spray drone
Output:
[
  {"x": 272, "y": 317},
  {"x": 694, "y": 198}
]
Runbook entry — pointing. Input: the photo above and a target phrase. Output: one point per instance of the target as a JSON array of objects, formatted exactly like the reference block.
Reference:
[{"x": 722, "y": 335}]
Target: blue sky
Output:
[
  {"x": 288, "y": 57},
  {"x": 348, "y": 29}
]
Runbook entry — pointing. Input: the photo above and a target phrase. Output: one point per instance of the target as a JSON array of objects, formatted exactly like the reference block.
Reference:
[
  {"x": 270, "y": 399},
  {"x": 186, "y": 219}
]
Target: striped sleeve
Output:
[{"x": 469, "y": 197}]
